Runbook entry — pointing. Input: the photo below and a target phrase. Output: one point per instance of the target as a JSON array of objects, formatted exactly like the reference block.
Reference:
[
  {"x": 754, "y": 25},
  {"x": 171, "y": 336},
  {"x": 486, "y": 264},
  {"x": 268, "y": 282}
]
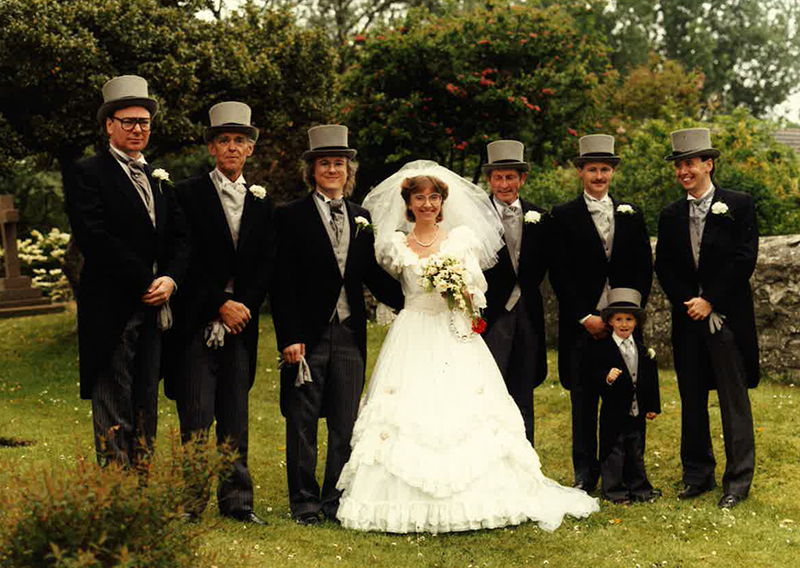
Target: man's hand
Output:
[
  {"x": 235, "y": 315},
  {"x": 651, "y": 415},
  {"x": 293, "y": 352},
  {"x": 595, "y": 326},
  {"x": 613, "y": 375},
  {"x": 698, "y": 308},
  {"x": 159, "y": 291}
]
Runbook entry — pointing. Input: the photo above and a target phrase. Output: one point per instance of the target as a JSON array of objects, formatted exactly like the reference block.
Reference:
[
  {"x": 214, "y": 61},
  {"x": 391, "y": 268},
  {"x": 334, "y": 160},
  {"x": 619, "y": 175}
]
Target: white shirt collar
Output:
[
  {"x": 502, "y": 205},
  {"x": 604, "y": 199},
  {"x": 119, "y": 153},
  {"x": 709, "y": 193},
  {"x": 618, "y": 340},
  {"x": 222, "y": 178}
]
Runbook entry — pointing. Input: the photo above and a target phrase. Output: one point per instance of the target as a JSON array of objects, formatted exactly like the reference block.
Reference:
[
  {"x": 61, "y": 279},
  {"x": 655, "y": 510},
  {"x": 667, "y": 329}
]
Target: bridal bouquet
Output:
[{"x": 447, "y": 276}]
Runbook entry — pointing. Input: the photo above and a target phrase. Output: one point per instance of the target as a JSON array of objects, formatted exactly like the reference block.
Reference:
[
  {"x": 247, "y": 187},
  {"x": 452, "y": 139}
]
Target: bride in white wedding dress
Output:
[{"x": 439, "y": 445}]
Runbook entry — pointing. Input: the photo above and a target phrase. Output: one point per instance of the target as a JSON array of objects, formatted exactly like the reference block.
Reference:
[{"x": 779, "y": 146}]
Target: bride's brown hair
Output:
[{"x": 416, "y": 184}]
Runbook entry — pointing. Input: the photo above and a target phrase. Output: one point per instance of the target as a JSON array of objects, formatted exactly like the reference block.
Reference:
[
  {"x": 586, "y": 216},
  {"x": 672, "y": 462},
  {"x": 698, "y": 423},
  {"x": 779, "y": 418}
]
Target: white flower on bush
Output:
[
  {"x": 720, "y": 208},
  {"x": 43, "y": 256},
  {"x": 651, "y": 352},
  {"x": 625, "y": 209},
  {"x": 533, "y": 217},
  {"x": 258, "y": 191}
]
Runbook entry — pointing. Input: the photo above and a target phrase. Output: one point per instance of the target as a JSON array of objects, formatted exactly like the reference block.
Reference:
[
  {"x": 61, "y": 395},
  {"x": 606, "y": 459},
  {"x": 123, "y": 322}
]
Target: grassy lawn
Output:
[{"x": 39, "y": 403}]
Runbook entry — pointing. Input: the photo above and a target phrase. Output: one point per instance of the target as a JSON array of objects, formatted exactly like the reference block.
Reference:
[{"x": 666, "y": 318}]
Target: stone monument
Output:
[{"x": 17, "y": 295}]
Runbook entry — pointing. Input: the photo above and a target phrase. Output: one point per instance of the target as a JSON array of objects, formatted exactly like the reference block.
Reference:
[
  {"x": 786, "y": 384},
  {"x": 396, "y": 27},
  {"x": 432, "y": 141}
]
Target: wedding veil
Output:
[{"x": 466, "y": 204}]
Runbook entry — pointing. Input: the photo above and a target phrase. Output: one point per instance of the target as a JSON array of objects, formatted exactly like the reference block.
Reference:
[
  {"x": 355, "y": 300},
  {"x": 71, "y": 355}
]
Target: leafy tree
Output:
[
  {"x": 56, "y": 55},
  {"x": 748, "y": 50},
  {"x": 442, "y": 87}
]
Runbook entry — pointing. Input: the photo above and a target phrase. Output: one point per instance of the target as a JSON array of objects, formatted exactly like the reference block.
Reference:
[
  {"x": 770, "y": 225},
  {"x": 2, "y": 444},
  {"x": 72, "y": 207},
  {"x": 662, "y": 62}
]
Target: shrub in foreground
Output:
[{"x": 87, "y": 516}]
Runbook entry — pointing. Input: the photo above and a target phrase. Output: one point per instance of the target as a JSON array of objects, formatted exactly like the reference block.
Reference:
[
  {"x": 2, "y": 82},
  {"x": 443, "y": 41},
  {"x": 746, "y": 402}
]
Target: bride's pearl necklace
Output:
[{"x": 419, "y": 242}]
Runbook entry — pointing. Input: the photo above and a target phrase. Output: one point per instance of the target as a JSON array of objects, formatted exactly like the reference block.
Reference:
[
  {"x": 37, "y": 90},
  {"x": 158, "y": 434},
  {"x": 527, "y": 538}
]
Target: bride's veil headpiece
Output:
[{"x": 466, "y": 204}]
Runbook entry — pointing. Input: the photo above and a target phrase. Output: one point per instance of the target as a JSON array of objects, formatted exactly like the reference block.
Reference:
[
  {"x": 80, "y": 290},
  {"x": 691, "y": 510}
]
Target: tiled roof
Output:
[{"x": 790, "y": 137}]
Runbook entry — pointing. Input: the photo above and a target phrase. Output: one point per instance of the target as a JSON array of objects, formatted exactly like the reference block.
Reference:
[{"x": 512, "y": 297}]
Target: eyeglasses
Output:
[
  {"x": 128, "y": 124},
  {"x": 420, "y": 199}
]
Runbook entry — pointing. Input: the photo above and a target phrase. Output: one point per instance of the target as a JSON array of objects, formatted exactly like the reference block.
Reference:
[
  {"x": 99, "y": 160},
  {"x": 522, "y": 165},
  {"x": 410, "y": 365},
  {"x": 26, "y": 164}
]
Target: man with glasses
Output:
[
  {"x": 514, "y": 312},
  {"x": 323, "y": 261},
  {"x": 132, "y": 235}
]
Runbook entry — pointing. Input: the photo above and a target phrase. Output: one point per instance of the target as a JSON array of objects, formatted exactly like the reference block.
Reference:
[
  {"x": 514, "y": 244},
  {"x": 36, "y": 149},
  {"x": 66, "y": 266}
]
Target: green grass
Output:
[{"x": 39, "y": 402}]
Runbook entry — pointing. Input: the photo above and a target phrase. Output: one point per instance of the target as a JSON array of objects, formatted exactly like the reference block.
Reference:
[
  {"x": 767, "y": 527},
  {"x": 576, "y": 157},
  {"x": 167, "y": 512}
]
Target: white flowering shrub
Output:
[{"x": 42, "y": 257}]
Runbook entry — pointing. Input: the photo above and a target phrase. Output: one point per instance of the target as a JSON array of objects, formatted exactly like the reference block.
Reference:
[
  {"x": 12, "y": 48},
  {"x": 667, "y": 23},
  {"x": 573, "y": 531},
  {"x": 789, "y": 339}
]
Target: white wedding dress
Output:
[{"x": 439, "y": 445}]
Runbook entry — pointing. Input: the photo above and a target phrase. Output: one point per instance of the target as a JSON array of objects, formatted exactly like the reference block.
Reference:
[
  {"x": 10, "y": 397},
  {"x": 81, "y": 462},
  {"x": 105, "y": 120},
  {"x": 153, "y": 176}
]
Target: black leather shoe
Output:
[
  {"x": 246, "y": 517},
  {"x": 647, "y": 497},
  {"x": 692, "y": 491},
  {"x": 307, "y": 519},
  {"x": 584, "y": 486},
  {"x": 729, "y": 501}
]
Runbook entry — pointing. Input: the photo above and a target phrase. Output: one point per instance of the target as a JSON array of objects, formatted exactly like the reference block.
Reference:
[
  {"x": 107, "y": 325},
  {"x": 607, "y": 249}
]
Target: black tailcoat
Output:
[
  {"x": 601, "y": 357},
  {"x": 728, "y": 252},
  {"x": 580, "y": 268},
  {"x": 308, "y": 279},
  {"x": 112, "y": 228},
  {"x": 214, "y": 261},
  {"x": 534, "y": 260}
]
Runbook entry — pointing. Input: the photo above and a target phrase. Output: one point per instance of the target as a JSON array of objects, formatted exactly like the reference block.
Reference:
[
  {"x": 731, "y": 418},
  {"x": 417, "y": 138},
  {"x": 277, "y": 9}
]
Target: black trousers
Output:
[
  {"x": 337, "y": 373},
  {"x": 125, "y": 395},
  {"x": 512, "y": 340},
  {"x": 215, "y": 383},
  {"x": 585, "y": 399},
  {"x": 622, "y": 468},
  {"x": 704, "y": 360}
]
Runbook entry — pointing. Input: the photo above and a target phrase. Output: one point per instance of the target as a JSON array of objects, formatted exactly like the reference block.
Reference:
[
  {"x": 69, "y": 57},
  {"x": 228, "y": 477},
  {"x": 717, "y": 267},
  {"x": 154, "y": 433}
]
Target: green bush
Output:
[
  {"x": 751, "y": 161},
  {"x": 90, "y": 516}
]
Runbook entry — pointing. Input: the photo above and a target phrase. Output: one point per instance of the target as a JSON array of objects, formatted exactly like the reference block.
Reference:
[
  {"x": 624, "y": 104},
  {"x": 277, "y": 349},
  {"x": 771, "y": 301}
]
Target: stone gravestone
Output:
[{"x": 17, "y": 296}]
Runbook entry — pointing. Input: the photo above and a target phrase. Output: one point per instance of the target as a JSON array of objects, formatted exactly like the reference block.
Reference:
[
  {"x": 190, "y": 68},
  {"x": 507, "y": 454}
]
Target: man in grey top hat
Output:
[
  {"x": 211, "y": 353},
  {"x": 323, "y": 262},
  {"x": 514, "y": 312},
  {"x": 600, "y": 243},
  {"x": 132, "y": 235},
  {"x": 706, "y": 254}
]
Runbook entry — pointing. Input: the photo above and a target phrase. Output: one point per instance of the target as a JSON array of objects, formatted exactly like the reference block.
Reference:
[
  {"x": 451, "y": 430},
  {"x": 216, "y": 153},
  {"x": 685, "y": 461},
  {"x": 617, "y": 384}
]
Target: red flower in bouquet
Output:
[{"x": 478, "y": 325}]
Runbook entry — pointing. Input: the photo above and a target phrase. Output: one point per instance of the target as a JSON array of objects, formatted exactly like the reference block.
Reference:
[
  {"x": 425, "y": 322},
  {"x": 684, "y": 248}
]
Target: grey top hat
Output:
[
  {"x": 230, "y": 116},
  {"x": 623, "y": 300},
  {"x": 328, "y": 140},
  {"x": 125, "y": 91},
  {"x": 691, "y": 142},
  {"x": 507, "y": 155},
  {"x": 596, "y": 148}
]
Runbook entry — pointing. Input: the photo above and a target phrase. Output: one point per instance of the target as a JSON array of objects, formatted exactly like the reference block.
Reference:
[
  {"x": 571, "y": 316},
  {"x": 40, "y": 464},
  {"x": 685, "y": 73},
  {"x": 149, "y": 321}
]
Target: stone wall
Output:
[{"x": 776, "y": 291}]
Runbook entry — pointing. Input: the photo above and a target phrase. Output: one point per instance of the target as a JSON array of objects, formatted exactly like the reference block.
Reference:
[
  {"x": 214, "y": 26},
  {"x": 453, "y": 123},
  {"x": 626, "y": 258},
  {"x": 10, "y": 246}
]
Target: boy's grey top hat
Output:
[
  {"x": 328, "y": 140},
  {"x": 623, "y": 300},
  {"x": 230, "y": 116},
  {"x": 125, "y": 91},
  {"x": 691, "y": 142},
  {"x": 505, "y": 155},
  {"x": 596, "y": 148}
]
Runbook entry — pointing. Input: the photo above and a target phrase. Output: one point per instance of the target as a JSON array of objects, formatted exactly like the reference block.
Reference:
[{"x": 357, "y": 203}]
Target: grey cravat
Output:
[
  {"x": 602, "y": 212},
  {"x": 337, "y": 217},
  {"x": 511, "y": 226},
  {"x": 698, "y": 209},
  {"x": 628, "y": 350},
  {"x": 142, "y": 183},
  {"x": 234, "y": 205}
]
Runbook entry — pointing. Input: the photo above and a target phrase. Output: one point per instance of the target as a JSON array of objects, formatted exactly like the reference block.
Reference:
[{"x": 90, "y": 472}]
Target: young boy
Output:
[{"x": 626, "y": 374}]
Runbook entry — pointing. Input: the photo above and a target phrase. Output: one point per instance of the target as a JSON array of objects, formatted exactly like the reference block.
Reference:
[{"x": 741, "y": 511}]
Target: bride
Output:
[{"x": 439, "y": 445}]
